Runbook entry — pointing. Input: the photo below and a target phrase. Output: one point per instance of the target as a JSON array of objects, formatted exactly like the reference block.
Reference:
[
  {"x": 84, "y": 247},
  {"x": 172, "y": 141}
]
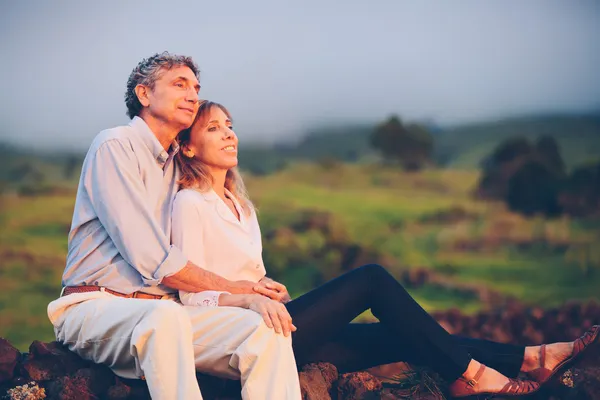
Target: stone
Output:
[
  {"x": 42, "y": 370},
  {"x": 46, "y": 361},
  {"x": 98, "y": 378},
  {"x": 9, "y": 358},
  {"x": 70, "y": 388},
  {"x": 118, "y": 391},
  {"x": 137, "y": 388},
  {"x": 359, "y": 386},
  {"x": 65, "y": 376},
  {"x": 316, "y": 381},
  {"x": 70, "y": 361}
]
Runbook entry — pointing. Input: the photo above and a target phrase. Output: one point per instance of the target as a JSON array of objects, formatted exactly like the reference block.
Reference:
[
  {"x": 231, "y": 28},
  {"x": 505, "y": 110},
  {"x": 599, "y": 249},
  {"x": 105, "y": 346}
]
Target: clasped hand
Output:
[
  {"x": 273, "y": 290},
  {"x": 274, "y": 313},
  {"x": 270, "y": 304}
]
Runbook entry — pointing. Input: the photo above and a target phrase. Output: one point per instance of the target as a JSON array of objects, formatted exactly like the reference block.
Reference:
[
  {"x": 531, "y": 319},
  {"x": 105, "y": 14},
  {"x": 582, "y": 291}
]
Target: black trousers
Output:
[{"x": 405, "y": 331}]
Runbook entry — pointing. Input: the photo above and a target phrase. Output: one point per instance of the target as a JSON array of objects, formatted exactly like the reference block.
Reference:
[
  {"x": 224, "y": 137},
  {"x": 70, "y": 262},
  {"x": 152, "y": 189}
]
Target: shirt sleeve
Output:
[{"x": 115, "y": 189}]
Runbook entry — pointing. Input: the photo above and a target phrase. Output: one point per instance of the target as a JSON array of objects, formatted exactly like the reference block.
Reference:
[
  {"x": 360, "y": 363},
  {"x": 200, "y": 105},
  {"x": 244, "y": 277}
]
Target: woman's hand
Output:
[
  {"x": 273, "y": 290},
  {"x": 274, "y": 313}
]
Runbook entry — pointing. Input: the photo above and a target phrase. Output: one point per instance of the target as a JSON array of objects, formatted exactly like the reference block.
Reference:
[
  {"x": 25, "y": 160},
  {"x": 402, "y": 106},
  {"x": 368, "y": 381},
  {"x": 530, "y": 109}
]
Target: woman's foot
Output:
[
  {"x": 478, "y": 379},
  {"x": 552, "y": 357}
]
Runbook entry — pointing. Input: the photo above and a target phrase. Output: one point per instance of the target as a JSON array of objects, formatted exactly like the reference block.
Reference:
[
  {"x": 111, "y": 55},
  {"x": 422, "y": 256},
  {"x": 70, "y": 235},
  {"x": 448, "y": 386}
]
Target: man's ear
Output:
[{"x": 141, "y": 92}]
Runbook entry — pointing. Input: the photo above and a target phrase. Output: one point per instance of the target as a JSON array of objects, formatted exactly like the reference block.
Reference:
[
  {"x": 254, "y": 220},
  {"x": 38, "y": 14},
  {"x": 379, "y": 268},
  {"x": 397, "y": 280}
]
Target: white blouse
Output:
[{"x": 210, "y": 235}]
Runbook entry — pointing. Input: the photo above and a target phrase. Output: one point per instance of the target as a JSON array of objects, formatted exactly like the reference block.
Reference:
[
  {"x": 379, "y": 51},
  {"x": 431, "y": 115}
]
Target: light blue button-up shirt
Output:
[{"x": 121, "y": 229}]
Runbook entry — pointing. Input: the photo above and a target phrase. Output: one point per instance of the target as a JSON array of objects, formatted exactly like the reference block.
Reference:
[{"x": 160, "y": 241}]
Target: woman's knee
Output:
[{"x": 374, "y": 271}]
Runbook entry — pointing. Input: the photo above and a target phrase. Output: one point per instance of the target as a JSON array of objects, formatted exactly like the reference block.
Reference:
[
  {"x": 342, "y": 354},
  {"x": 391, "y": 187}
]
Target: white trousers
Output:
[{"x": 163, "y": 340}]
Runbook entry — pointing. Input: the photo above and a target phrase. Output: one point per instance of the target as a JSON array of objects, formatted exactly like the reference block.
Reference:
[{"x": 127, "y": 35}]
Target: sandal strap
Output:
[
  {"x": 517, "y": 386},
  {"x": 585, "y": 340},
  {"x": 472, "y": 382},
  {"x": 542, "y": 355}
]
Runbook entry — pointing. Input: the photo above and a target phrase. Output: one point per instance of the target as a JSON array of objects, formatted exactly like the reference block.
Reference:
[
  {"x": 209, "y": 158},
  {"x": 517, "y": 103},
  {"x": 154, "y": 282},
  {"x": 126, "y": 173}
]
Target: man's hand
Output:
[
  {"x": 274, "y": 313},
  {"x": 244, "y": 287},
  {"x": 273, "y": 290}
]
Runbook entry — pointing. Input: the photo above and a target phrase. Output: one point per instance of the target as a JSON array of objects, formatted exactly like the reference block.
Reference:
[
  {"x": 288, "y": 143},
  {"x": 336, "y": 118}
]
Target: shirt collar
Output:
[
  {"x": 211, "y": 195},
  {"x": 223, "y": 210},
  {"x": 152, "y": 142}
]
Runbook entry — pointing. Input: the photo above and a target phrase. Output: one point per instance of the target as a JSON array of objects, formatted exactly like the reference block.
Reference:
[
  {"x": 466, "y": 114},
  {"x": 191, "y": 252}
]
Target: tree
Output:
[
  {"x": 581, "y": 194},
  {"x": 501, "y": 164},
  {"x": 410, "y": 146},
  {"x": 534, "y": 189},
  {"x": 548, "y": 150},
  {"x": 508, "y": 151},
  {"x": 71, "y": 165},
  {"x": 26, "y": 173}
]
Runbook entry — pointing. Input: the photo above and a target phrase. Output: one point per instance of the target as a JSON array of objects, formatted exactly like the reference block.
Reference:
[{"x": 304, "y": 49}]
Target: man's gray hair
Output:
[{"x": 148, "y": 71}]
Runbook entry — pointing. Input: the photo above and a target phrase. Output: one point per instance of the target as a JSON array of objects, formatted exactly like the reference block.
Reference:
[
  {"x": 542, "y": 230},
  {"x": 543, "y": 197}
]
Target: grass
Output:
[
  {"x": 382, "y": 208},
  {"x": 543, "y": 280}
]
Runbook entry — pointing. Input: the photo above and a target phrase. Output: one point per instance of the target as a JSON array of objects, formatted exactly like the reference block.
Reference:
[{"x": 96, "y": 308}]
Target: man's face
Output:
[{"x": 174, "y": 99}]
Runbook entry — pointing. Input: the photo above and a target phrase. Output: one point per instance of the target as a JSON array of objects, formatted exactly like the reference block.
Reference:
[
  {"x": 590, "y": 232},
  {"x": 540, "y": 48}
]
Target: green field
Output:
[{"x": 423, "y": 220}]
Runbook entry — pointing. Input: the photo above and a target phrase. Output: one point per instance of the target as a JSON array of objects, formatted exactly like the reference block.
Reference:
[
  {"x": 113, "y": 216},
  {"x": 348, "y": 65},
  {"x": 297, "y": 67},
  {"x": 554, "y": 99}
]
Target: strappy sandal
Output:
[
  {"x": 543, "y": 375},
  {"x": 465, "y": 388}
]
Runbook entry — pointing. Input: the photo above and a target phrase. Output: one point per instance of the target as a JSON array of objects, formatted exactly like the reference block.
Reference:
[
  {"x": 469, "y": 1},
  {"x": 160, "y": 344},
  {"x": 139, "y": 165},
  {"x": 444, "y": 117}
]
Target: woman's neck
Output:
[{"x": 218, "y": 178}]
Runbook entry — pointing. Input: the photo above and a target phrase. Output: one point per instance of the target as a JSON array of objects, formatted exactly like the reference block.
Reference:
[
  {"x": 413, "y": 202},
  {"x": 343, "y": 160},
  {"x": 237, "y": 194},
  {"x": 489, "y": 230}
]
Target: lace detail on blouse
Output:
[
  {"x": 212, "y": 301},
  {"x": 207, "y": 298}
]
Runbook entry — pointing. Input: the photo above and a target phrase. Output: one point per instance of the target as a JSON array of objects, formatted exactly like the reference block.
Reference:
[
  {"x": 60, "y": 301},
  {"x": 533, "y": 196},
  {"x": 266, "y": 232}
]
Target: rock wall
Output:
[{"x": 51, "y": 371}]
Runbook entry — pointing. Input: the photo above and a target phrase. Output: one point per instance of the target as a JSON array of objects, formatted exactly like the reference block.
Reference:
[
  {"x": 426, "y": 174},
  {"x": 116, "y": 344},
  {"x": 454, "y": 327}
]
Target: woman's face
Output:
[{"x": 213, "y": 141}]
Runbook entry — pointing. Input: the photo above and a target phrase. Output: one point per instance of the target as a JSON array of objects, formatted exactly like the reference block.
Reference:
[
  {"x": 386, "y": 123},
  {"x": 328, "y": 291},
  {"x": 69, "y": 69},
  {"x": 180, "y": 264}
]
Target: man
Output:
[{"x": 119, "y": 306}]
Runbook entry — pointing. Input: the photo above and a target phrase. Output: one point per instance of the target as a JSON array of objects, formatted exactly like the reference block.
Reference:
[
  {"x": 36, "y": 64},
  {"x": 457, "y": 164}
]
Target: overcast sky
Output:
[{"x": 283, "y": 68}]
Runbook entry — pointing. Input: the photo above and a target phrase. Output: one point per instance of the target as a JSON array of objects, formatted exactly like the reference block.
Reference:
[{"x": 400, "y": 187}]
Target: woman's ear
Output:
[{"x": 187, "y": 152}]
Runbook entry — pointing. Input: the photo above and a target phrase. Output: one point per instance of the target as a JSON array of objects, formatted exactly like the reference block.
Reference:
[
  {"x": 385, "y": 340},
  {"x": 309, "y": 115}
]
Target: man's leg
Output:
[
  {"x": 235, "y": 343},
  {"x": 151, "y": 338}
]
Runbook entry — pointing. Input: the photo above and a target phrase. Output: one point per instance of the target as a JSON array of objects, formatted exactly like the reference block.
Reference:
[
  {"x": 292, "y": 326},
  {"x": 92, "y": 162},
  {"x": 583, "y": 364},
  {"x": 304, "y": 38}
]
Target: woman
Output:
[{"x": 215, "y": 224}]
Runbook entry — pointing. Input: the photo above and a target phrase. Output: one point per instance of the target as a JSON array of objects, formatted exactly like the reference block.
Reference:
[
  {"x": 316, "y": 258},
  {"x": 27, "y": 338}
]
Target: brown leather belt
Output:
[{"x": 84, "y": 289}]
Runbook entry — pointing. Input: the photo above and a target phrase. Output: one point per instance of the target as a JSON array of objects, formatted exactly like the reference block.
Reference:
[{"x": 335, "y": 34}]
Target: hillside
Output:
[
  {"x": 578, "y": 137},
  {"x": 455, "y": 147}
]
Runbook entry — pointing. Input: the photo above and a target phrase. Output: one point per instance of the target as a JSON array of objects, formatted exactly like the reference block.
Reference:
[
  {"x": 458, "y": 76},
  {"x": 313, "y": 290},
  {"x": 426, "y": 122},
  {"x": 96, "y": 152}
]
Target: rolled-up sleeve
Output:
[{"x": 114, "y": 185}]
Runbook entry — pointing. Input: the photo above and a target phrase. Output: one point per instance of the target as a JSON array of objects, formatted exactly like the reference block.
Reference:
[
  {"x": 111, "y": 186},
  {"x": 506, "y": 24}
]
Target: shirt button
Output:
[{"x": 257, "y": 265}]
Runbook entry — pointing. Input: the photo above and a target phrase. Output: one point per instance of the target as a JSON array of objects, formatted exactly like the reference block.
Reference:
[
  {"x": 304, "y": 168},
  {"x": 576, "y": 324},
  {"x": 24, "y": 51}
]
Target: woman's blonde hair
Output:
[{"x": 195, "y": 175}]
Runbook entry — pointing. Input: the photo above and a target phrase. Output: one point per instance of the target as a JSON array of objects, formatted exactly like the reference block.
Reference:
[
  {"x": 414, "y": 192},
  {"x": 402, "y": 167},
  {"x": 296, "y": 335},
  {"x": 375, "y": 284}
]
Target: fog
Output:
[{"x": 282, "y": 69}]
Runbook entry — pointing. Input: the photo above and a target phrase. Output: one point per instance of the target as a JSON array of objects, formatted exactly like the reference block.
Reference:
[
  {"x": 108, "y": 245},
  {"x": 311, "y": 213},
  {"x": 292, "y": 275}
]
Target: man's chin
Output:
[{"x": 185, "y": 123}]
